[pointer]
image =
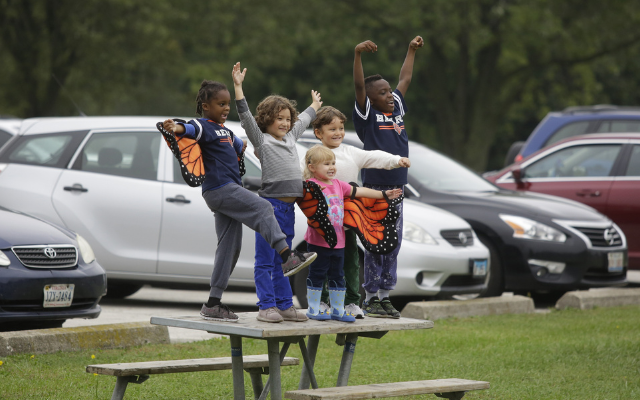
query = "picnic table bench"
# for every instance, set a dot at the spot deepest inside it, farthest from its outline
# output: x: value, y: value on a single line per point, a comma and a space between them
x: 138, y: 372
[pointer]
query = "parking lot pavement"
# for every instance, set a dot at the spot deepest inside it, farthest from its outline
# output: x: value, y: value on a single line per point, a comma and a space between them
x: 154, y: 302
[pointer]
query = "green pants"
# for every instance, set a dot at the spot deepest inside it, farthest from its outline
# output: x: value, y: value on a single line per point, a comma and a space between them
x: 351, y: 270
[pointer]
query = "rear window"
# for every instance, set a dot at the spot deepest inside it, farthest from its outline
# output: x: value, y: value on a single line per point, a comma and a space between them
x: 53, y: 150
x: 619, y: 126
x: 569, y: 130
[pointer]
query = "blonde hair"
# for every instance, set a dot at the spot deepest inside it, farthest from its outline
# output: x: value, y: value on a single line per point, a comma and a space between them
x: 316, y: 155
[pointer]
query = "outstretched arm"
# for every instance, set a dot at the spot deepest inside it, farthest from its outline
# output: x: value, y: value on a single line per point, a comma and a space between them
x: 377, y: 194
x: 171, y: 126
x: 407, y: 67
x: 247, y: 121
x: 358, y: 72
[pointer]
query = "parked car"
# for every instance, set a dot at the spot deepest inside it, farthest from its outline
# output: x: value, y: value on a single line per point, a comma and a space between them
x: 113, y: 180
x: 573, y: 121
x: 599, y: 170
x: 537, y: 242
x: 48, y: 274
x: 9, y: 126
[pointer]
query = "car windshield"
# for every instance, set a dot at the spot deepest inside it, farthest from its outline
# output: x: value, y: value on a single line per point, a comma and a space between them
x: 437, y: 172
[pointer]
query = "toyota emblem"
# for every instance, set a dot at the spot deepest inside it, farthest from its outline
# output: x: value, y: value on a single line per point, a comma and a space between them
x: 463, y: 238
x: 609, y: 236
x: 50, y: 252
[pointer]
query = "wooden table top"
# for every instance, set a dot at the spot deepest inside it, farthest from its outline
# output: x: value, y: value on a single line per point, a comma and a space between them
x: 249, y: 326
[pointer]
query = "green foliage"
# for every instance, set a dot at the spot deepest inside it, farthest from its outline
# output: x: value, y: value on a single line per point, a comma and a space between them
x: 489, y: 70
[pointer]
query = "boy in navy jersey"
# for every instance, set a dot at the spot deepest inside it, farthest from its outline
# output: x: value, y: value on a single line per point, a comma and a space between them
x: 231, y: 203
x: 378, y: 119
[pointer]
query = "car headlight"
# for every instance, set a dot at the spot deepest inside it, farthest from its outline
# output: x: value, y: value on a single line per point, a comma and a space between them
x: 525, y: 228
x: 85, y: 250
x: 4, y: 260
x: 416, y: 234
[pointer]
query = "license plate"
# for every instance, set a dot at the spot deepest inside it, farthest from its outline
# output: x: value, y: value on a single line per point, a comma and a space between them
x: 479, y: 267
x: 59, y: 295
x: 615, y: 261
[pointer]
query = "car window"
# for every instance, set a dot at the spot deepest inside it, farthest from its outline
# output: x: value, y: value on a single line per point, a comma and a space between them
x: 4, y: 137
x: 633, y: 169
x: 130, y: 154
x: 45, y: 150
x: 569, y: 130
x: 619, y: 126
x: 575, y: 161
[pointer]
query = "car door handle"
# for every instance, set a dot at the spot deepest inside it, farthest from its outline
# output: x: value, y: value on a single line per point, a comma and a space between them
x: 595, y: 194
x: 75, y: 188
x: 178, y: 199
x: 589, y: 192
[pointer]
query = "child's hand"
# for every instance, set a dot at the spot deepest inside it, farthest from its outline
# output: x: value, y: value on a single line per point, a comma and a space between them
x: 317, y: 100
x: 404, y: 162
x: 368, y: 46
x: 244, y: 145
x: 169, y: 125
x: 238, y: 74
x: 394, y: 194
x: 416, y: 43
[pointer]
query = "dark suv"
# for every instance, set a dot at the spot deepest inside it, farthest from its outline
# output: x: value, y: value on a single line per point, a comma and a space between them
x: 575, y: 121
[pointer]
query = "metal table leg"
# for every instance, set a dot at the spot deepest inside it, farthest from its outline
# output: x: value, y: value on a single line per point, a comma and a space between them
x: 237, y: 367
x: 274, y: 369
x: 283, y: 354
x: 347, y: 358
x: 312, y: 349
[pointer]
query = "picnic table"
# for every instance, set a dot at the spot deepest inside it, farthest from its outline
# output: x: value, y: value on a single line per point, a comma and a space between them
x: 292, y: 332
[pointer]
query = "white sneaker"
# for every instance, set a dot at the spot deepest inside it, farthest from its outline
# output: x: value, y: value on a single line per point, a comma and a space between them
x: 325, y: 308
x: 354, y: 310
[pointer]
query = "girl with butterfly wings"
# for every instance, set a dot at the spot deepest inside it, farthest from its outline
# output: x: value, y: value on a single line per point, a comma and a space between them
x: 208, y: 153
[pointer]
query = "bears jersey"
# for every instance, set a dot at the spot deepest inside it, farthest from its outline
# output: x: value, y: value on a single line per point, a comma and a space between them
x: 382, y: 131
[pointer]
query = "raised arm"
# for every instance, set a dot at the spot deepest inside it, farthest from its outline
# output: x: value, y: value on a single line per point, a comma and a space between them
x: 238, y: 77
x: 358, y: 72
x: 308, y: 115
x: 406, y: 72
x: 247, y: 121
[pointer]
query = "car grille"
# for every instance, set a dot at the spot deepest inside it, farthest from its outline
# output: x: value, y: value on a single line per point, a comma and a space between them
x: 601, y: 237
x: 54, y: 256
x: 458, y: 237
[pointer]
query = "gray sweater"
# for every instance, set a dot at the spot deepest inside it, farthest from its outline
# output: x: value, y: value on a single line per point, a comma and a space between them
x: 281, y: 175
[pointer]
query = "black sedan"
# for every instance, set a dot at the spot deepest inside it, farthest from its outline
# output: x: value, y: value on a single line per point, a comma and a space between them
x: 538, y: 243
x: 47, y: 274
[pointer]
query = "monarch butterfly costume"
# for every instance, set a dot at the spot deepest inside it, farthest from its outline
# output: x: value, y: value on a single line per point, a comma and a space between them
x: 373, y: 220
x: 189, y: 155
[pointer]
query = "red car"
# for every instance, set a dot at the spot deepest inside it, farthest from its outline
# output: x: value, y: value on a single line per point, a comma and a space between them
x: 599, y: 170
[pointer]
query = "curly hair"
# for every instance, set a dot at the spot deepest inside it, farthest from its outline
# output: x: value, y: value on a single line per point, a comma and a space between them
x: 368, y: 81
x: 269, y: 108
x: 325, y: 115
x: 315, y: 156
x: 208, y: 90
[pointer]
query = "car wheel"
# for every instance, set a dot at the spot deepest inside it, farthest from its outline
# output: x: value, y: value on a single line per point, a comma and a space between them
x: 121, y: 290
x: 495, y: 279
x: 513, y: 152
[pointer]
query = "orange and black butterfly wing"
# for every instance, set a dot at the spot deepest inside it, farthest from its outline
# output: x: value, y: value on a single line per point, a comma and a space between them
x: 188, y: 153
x: 314, y: 207
x: 374, y: 221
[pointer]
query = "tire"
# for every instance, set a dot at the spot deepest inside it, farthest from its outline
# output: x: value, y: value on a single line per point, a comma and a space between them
x: 495, y: 276
x: 513, y: 152
x: 121, y: 290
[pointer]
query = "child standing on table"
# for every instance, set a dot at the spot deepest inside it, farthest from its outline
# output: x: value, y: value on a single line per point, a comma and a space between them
x: 320, y: 167
x: 232, y: 204
x: 378, y: 120
x: 274, y: 133
x: 329, y: 129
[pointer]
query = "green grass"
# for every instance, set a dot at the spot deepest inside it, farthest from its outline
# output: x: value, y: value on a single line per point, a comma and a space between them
x: 561, y: 355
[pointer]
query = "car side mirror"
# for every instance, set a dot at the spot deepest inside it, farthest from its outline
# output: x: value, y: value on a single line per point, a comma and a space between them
x: 517, y: 174
x: 252, y: 183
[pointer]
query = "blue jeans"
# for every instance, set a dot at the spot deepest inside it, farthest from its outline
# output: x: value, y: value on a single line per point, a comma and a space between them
x: 272, y: 287
x: 327, y: 266
x: 380, y: 270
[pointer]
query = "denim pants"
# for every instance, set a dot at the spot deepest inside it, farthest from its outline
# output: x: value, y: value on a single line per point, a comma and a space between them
x: 272, y: 287
x: 327, y: 266
x: 380, y: 269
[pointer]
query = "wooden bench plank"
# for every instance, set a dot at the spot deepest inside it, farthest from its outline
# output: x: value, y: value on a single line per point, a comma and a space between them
x: 394, y: 389
x: 187, y: 365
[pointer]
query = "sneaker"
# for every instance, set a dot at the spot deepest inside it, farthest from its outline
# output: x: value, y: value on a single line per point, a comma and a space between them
x: 297, y: 261
x: 269, y: 315
x: 354, y: 310
x: 389, y: 308
x: 220, y: 312
x: 324, y: 308
x: 291, y: 314
x: 346, y: 317
x: 373, y: 308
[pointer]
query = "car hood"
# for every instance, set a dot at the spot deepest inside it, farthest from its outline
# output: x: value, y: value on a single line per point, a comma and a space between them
x: 431, y: 218
x: 533, y: 204
x: 18, y: 229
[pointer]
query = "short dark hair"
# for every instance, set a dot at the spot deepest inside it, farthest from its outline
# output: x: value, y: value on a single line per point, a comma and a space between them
x: 208, y: 90
x: 368, y: 81
x: 269, y: 108
x: 325, y: 115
